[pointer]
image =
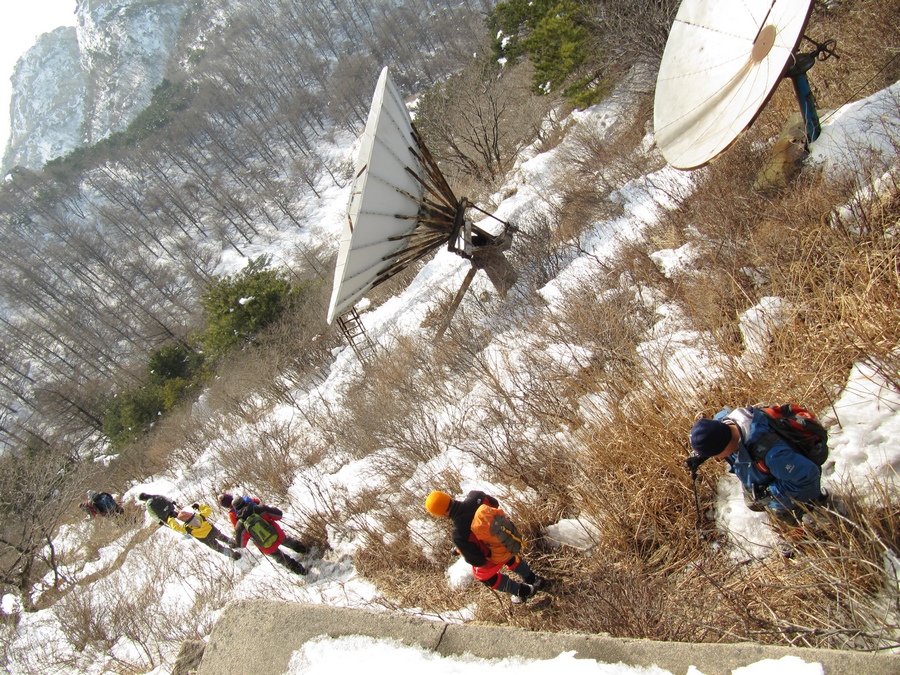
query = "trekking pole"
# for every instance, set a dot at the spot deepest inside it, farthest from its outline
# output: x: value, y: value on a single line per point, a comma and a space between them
x: 696, y: 499
x: 693, y: 463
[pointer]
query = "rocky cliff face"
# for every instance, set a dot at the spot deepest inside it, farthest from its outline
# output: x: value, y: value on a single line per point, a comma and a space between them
x: 78, y: 85
x: 47, y: 109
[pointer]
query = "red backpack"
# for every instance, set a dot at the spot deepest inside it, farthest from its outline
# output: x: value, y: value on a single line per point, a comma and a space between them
x: 799, y: 427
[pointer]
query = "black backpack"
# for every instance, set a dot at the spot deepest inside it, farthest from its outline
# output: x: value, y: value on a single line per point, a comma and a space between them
x: 161, y: 508
x: 799, y: 428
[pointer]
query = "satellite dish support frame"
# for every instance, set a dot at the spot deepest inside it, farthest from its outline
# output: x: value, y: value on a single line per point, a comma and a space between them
x: 801, y: 63
x: 354, y: 331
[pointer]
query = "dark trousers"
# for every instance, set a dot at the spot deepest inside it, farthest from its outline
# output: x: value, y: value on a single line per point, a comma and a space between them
x: 214, y: 537
x: 504, y: 584
x: 286, y: 560
x: 294, y: 544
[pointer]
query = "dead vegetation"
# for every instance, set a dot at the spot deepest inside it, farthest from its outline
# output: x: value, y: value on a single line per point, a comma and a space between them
x: 580, y: 422
x: 621, y: 420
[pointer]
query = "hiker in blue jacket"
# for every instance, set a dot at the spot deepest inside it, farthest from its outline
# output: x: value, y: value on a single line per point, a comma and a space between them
x: 101, y: 504
x: 783, y: 482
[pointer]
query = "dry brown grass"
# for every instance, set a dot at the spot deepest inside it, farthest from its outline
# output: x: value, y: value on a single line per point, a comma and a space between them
x: 653, y: 573
x: 867, y: 33
x: 393, y: 559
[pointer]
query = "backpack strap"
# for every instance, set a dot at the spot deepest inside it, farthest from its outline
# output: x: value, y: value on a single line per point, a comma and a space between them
x: 759, y: 449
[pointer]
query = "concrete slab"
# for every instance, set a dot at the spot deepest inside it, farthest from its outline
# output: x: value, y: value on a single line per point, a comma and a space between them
x: 287, y: 626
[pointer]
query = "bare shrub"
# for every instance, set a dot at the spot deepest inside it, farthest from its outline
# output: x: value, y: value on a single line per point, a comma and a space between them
x: 628, y: 32
x: 476, y: 122
x: 119, y: 609
x: 264, y: 459
x: 387, y: 408
x: 539, y: 253
x: 106, y: 530
x: 83, y: 623
x: 601, y: 158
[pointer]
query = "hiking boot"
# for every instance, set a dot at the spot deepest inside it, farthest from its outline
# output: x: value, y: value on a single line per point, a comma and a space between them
x: 832, y: 503
x: 787, y: 549
x: 297, y: 547
x: 815, y: 521
x: 525, y: 592
x: 297, y: 568
x: 540, y: 583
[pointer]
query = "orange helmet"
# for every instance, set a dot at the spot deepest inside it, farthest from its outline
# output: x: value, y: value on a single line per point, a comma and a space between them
x: 438, y: 503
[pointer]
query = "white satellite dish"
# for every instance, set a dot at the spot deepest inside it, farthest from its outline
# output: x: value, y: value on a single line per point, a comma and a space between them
x: 384, y: 200
x: 721, y: 64
x: 401, y: 207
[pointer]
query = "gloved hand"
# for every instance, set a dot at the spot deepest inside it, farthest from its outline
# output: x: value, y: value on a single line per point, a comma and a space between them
x: 693, y: 463
x: 761, y: 493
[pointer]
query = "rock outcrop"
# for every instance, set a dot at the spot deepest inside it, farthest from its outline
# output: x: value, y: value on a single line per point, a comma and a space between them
x: 78, y: 85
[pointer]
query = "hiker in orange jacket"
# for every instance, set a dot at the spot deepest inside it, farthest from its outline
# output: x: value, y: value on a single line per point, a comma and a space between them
x: 268, y: 535
x: 488, y: 541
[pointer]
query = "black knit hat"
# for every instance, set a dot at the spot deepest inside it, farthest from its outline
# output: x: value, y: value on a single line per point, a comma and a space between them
x: 225, y: 501
x: 710, y: 437
x: 143, y: 496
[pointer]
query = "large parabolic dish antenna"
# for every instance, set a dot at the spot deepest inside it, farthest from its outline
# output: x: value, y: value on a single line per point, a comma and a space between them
x: 384, y: 200
x: 722, y: 62
x: 401, y: 207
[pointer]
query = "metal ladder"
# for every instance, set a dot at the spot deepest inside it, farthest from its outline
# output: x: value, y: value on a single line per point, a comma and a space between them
x: 353, y: 329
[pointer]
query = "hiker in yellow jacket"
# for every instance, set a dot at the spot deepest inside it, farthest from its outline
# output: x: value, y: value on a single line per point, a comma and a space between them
x: 195, y: 523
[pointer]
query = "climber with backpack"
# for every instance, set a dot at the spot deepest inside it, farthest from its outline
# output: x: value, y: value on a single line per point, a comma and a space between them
x: 159, y: 507
x: 195, y: 523
x: 775, y: 452
x: 101, y: 504
x: 488, y: 541
x: 259, y: 522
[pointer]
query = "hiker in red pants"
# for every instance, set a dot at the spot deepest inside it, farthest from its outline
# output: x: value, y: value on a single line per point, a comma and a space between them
x: 256, y: 521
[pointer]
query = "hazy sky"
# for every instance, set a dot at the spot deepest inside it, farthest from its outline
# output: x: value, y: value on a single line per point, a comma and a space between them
x: 19, y: 27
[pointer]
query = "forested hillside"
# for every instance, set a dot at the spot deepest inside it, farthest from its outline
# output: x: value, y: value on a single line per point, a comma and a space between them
x: 107, y: 251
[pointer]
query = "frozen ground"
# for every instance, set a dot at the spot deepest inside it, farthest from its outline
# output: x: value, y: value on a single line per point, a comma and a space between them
x: 862, y: 442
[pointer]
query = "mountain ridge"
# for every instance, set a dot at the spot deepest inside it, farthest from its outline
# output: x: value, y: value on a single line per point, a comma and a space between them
x: 77, y: 85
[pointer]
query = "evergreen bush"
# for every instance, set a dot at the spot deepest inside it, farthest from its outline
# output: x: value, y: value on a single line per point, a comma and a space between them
x: 551, y: 33
x: 130, y: 413
x: 236, y: 307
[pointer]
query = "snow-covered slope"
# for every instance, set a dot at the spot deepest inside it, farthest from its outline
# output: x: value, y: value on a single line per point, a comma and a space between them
x: 867, y: 415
